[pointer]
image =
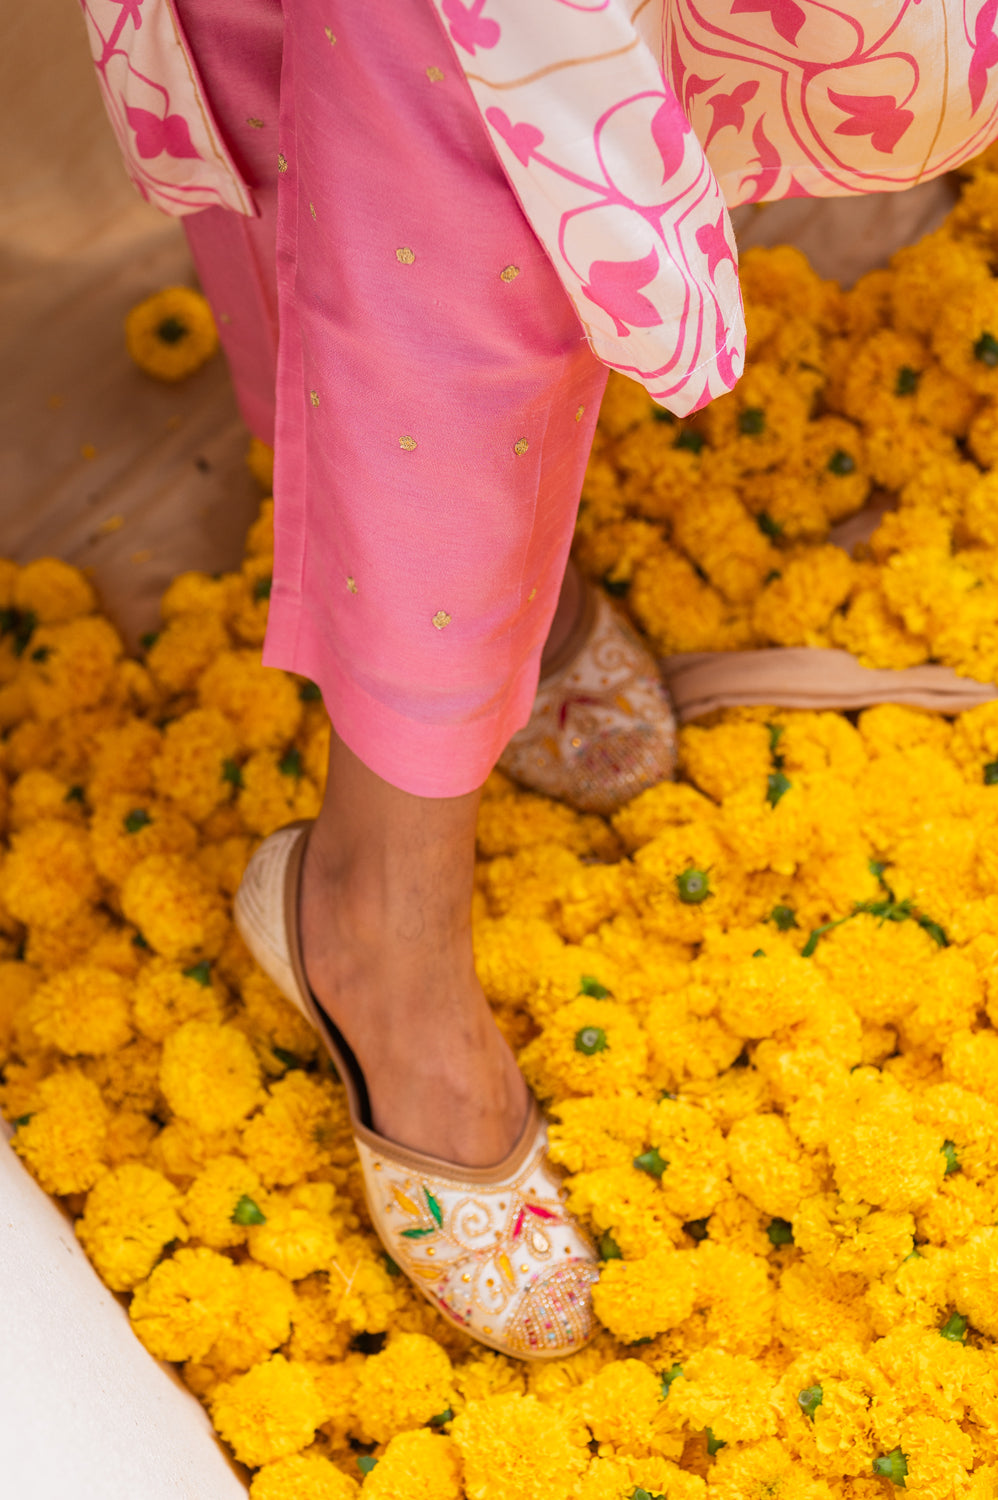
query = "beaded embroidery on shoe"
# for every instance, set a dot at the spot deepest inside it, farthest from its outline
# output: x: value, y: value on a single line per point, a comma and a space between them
x: 602, y: 728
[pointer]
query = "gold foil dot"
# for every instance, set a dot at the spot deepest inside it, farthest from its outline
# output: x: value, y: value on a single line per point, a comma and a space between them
x: 311, y: 209
x: 313, y: 396
x: 568, y: 1249
x: 435, y: 75
x: 405, y: 255
x: 579, y: 413
x: 509, y: 273
x: 576, y: 742
x: 377, y: 1166
x: 329, y: 36
x: 351, y: 585
x: 531, y: 595
x: 441, y: 618
x: 489, y: 1281
x: 224, y: 318
x: 521, y: 445
x: 255, y: 122
x: 465, y: 1276
x: 502, y: 1205
x: 408, y: 443
x: 431, y: 1251
x: 486, y: 1329
x: 282, y: 163
x: 88, y: 451
x: 524, y: 1269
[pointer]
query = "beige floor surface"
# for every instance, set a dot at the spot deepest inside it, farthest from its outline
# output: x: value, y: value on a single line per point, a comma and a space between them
x: 109, y: 469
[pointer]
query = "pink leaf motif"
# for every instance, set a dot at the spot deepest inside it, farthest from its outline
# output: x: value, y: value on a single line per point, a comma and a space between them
x: 875, y: 115
x: 769, y: 160
x: 714, y: 244
x: 729, y: 109
x: 613, y: 286
x: 154, y: 136
x: 538, y: 1212
x: 669, y: 127
x: 522, y: 139
x: 985, y: 53
x: 787, y: 17
x: 468, y: 27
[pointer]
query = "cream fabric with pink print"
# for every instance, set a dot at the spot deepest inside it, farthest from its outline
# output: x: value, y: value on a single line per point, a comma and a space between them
x: 173, y: 151
x: 614, y: 182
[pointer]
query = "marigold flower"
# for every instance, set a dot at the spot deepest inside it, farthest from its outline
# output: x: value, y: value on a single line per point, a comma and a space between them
x: 269, y: 1413
x: 165, y: 996
x: 62, y: 1137
x: 262, y: 704
x: 168, y: 901
x: 131, y: 1214
x: 209, y: 1075
x: 82, y: 1010
x: 172, y: 333
x: 405, y: 1385
x: 48, y: 876
x: 516, y: 1449
x: 181, y: 1309
x: 309, y: 1476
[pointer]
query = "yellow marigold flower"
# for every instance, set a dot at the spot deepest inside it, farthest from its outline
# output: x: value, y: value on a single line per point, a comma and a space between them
x: 915, y: 1294
x: 263, y: 704
x: 973, y: 1283
x: 165, y: 996
x: 670, y: 804
x: 172, y: 333
x: 734, y: 1288
x: 970, y: 1059
x: 83, y: 1010
x: 122, y: 761
x: 52, y: 591
x: 277, y: 1029
x: 758, y: 1470
x: 874, y: 634
x: 17, y: 982
x: 361, y: 1291
x: 275, y: 791
x: 71, y: 666
x: 63, y: 1140
x: 982, y: 435
x: 516, y: 1449
x: 225, y: 1197
x: 769, y: 1166
x: 48, y: 877
x: 300, y: 1234
x: 625, y: 403
x: 196, y: 768
x: 167, y: 900
x: 849, y: 1238
x: 588, y: 1046
x: 729, y: 1393
x: 209, y: 1075
x: 405, y: 1385
x: 260, y: 462
x: 796, y: 608
x: 260, y: 1323
x: 180, y: 1150
x: 725, y: 542
x: 307, y: 1476
x: 268, y: 1413
x: 638, y: 1299
x: 316, y: 1332
x: 184, y: 648
x: 38, y: 795
x: 893, y: 464
x: 195, y: 593
x: 620, y: 1405
x: 782, y: 277
x: 880, y: 1154
x: 124, y: 831
x: 509, y: 825
x: 487, y: 1374
x: 609, y: 1478
x: 679, y: 611
x: 131, y: 1214
x: 180, y: 1310
x: 600, y: 1132
x: 419, y: 1465
x: 965, y: 337
x: 302, y: 1128
x: 817, y: 1308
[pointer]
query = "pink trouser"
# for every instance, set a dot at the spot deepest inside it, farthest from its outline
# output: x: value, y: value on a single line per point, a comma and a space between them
x: 435, y: 396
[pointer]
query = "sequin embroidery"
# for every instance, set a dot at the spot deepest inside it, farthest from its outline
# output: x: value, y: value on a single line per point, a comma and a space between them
x: 408, y: 443
x: 282, y: 163
x: 509, y: 273
x: 435, y: 75
x: 405, y: 255
x: 441, y: 618
x: 521, y: 445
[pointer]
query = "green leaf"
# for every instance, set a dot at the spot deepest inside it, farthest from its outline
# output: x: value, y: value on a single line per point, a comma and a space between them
x: 639, y: 1494
x: 148, y: 639
x: 907, y: 381
x: 139, y: 941
x: 366, y: 1462
x: 714, y: 1445
x: 759, y: 953
x: 955, y: 1329
x: 20, y: 623
x: 289, y: 1059
x: 810, y: 1399
x: 948, y: 1148
x: 434, y: 1207
x: 136, y: 819
x: 75, y: 794
x: 441, y: 1417
x: 392, y: 1266
x: 248, y: 1212
x: 772, y: 576
x: 42, y: 654
x: 752, y: 421
x: 768, y: 526
x: 591, y: 1039
x: 776, y: 733
x: 693, y: 887
x: 934, y: 930
x: 22, y: 1120
x: 416, y: 1234
x: 991, y: 773
x: 290, y: 763
x: 689, y: 439
x: 310, y: 692
x: 652, y: 1162
x: 668, y: 1379
x: 590, y: 985
x: 817, y: 933
x: 777, y: 786
x: 232, y: 772
x: 608, y: 1247
x: 659, y: 414
x: 784, y: 918
x: 619, y: 588
x: 696, y: 1229
x: 262, y: 588
x: 171, y: 331
x: 986, y: 350
x: 893, y: 1466
x: 841, y: 462
x: 200, y: 973
x: 780, y: 1232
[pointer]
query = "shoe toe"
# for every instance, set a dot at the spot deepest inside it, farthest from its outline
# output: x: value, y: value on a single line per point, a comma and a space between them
x: 614, y: 766
x: 555, y: 1315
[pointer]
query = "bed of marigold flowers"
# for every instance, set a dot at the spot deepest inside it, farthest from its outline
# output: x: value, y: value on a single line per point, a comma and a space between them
x: 759, y: 1004
x: 717, y: 528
